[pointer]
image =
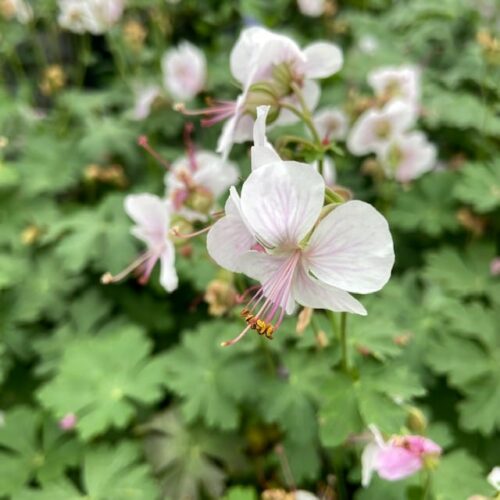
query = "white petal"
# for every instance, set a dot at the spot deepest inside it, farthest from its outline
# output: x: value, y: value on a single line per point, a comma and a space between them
x: 323, y: 60
x: 168, y: 275
x: 331, y: 123
x: 362, y: 138
x: 352, y: 248
x: 369, y: 463
x: 213, y: 173
x: 309, y: 292
x: 281, y: 202
x: 262, y: 152
x: 229, y: 238
x: 151, y: 215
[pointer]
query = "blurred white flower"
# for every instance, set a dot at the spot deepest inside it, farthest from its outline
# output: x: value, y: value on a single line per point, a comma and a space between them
x: 151, y: 216
x: 93, y: 16
x: 144, y: 99
x: 377, y: 127
x: 407, y: 156
x: 396, y: 82
x: 312, y: 8
x: 329, y: 171
x: 494, y: 478
x: 260, y: 55
x: 19, y: 9
x: 368, y: 44
x: 184, y: 71
x: 331, y: 124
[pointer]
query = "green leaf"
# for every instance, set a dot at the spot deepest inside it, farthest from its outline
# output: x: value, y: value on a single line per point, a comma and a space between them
x: 109, y: 473
x: 32, y: 447
x: 458, y: 476
x: 240, y: 493
x: 210, y: 379
x: 464, y: 274
x: 186, y: 459
x: 102, y: 379
x: 427, y: 206
x: 479, y: 186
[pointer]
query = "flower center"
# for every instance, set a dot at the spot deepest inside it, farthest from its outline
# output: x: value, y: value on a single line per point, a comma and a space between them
x: 265, y: 311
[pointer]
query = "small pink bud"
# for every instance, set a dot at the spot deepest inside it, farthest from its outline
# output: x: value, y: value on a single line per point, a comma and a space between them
x: 495, y: 266
x: 68, y: 422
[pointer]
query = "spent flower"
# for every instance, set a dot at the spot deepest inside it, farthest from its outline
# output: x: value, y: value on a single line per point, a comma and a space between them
x: 398, y: 457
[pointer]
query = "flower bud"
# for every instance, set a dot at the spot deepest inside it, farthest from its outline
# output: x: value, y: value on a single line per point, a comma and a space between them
x: 416, y: 420
x: 30, y: 235
x: 54, y: 79
x: 220, y: 297
x: 200, y: 200
x: 134, y: 35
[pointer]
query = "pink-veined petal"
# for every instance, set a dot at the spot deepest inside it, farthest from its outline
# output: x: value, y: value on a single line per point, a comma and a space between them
x: 262, y: 152
x: 323, y: 60
x: 151, y: 215
x: 394, y: 463
x: 281, y: 202
x: 309, y: 292
x: 229, y: 238
x: 352, y: 248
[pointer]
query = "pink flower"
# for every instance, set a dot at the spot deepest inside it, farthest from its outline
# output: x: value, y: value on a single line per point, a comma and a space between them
x: 68, y: 422
x: 151, y: 215
x: 396, y: 82
x: 495, y: 266
x: 185, y: 71
x: 399, y: 457
x: 375, y: 128
x: 312, y: 8
x: 407, y: 156
x: 195, y: 182
x: 276, y: 233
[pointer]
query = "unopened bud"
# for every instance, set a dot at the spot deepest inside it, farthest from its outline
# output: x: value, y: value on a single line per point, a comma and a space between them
x: 200, y: 200
x: 54, y: 79
x: 30, y: 235
x: 322, y: 339
x: 303, y: 320
x: 107, y: 278
x: 220, y: 296
x: 416, y: 420
x: 134, y: 35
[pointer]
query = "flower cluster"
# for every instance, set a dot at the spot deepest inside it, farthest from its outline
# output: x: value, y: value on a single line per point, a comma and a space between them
x: 92, y: 16
x: 386, y: 129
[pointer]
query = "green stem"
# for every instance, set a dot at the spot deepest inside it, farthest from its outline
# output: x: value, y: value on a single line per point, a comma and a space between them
x: 343, y: 342
x: 306, y: 118
x: 426, y: 489
x: 286, y: 139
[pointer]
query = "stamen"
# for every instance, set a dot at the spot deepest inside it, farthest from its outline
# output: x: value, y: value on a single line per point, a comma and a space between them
x: 144, y: 143
x: 174, y: 231
x: 217, y: 111
x: 108, y: 278
x: 227, y: 343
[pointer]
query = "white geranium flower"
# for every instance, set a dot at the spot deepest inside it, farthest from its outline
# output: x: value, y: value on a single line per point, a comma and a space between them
x: 396, y: 82
x: 93, y: 16
x: 407, y: 156
x: 151, y: 215
x: 331, y: 124
x: 277, y: 233
x: 375, y: 128
x: 312, y: 8
x: 184, y: 71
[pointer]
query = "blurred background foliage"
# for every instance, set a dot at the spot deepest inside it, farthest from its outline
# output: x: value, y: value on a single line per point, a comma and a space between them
x: 164, y: 412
